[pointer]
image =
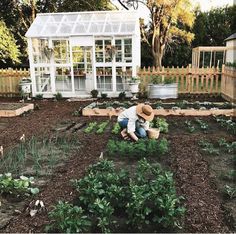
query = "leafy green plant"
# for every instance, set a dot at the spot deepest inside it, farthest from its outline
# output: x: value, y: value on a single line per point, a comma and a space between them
x: 16, y: 187
x: 68, y: 218
x: 38, y: 97
x: 58, y: 96
x: 103, y: 95
x: 229, y: 124
x: 160, y: 123
x: 116, y: 128
x: 229, y: 175
x: 230, y: 191
x: 229, y: 147
x: 122, y: 95
x: 208, y: 147
x: 146, y: 198
x: 139, y: 149
x: 94, y: 93
x: 203, y: 125
x: 101, y: 127
x: 190, y: 126
x: 90, y: 127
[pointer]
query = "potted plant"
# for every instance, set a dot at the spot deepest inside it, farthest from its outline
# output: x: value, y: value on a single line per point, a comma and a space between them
x: 163, y: 88
x: 134, y: 86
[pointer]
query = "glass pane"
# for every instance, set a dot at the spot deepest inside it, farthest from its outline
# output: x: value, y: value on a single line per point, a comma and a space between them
x: 61, y: 51
x: 41, y: 52
x: 63, y: 79
x: 104, y: 78
x: 43, y: 81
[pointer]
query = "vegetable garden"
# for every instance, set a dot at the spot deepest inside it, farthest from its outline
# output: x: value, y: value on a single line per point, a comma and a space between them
x: 72, y: 173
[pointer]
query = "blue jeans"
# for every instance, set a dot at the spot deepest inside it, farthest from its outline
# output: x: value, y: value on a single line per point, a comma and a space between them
x: 140, y: 132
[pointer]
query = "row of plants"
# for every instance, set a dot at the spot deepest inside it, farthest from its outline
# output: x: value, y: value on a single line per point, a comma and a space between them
x: 39, y: 155
x: 111, y: 200
x: 140, y: 149
x: 98, y: 128
x: 191, y: 126
x: 228, y: 124
x: 17, y: 187
x: 95, y: 93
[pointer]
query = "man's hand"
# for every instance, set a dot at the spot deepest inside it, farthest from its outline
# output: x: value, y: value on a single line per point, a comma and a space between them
x: 133, y: 136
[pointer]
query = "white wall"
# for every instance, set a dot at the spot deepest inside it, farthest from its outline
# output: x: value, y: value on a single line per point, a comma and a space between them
x: 231, y: 51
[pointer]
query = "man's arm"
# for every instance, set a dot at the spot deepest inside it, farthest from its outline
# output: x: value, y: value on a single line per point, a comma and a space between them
x: 133, y: 136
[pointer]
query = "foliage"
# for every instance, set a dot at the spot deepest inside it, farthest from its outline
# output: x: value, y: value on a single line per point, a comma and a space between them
x: 94, y: 93
x: 58, y: 96
x: 166, y: 18
x: 8, y: 48
x: 16, y: 187
x: 116, y: 128
x: 101, y: 127
x: 229, y: 147
x: 68, y: 218
x: 90, y: 127
x: 203, y: 125
x: 229, y: 124
x: 38, y: 97
x: 122, y: 95
x: 134, y: 79
x: 160, y: 123
x: 148, y: 198
x: 230, y: 191
x: 208, y: 147
x: 166, y: 80
x: 139, y: 149
x: 231, y: 65
x: 190, y: 126
x: 103, y: 95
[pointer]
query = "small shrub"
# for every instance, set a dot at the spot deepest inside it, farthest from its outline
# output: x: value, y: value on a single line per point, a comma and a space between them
x: 103, y: 95
x: 116, y: 129
x: 122, y: 95
x: 38, y: 97
x: 101, y: 127
x: 58, y: 96
x: 94, y: 93
x: 68, y: 218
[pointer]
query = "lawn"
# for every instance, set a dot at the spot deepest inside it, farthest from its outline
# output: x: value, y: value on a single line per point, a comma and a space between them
x: 86, y: 179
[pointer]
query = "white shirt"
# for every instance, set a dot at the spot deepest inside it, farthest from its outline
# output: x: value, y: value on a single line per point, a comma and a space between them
x: 132, y: 116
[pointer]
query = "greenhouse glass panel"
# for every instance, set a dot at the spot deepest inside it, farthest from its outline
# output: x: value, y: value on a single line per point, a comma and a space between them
x: 41, y: 52
x: 42, y: 77
x: 104, y: 78
x: 66, y: 28
x: 80, y: 28
x: 51, y: 29
x: 96, y: 28
x: 63, y: 79
x: 61, y: 51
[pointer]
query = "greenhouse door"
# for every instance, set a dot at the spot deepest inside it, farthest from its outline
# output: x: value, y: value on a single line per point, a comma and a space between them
x: 82, y: 66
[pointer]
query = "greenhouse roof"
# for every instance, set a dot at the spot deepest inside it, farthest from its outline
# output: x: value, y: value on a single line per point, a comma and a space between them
x: 84, y: 23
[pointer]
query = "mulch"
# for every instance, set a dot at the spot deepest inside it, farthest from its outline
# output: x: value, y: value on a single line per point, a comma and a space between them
x: 191, y: 171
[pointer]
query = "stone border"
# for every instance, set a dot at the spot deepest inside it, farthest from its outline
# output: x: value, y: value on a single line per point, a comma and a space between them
x: 19, y: 111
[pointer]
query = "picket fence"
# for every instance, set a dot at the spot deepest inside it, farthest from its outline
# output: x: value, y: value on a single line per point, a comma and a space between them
x: 190, y: 80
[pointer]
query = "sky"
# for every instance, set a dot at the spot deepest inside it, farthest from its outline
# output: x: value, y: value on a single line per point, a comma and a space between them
x: 205, y: 5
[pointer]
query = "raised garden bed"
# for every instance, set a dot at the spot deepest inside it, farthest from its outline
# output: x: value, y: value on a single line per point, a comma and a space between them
x: 14, y: 109
x: 183, y: 108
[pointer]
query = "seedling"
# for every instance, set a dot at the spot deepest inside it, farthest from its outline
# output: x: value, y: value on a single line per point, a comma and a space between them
x: 101, y: 127
x: 90, y: 127
x: 190, y: 127
x: 116, y: 129
x: 208, y: 147
x: 230, y: 191
x: 203, y: 125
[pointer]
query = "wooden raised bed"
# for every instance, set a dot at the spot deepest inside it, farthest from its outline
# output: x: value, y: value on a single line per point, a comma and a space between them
x: 163, y: 112
x: 14, y: 109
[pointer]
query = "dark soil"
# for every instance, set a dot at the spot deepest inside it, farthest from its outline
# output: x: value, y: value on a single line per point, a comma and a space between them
x: 194, y: 178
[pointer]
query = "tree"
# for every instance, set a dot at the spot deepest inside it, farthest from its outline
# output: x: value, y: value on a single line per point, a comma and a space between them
x: 166, y: 17
x: 8, y: 47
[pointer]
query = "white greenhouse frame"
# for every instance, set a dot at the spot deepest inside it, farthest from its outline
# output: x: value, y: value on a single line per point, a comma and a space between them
x: 76, y: 52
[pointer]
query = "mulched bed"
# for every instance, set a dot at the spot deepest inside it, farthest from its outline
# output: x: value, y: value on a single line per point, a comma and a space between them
x: 191, y: 170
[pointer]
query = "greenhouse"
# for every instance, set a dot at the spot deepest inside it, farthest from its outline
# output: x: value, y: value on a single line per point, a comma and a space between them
x: 74, y: 53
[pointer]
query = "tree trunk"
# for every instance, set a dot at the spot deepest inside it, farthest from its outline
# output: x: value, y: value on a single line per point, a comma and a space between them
x: 157, y: 53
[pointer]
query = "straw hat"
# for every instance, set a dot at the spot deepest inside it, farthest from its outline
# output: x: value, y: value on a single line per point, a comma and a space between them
x: 145, y: 111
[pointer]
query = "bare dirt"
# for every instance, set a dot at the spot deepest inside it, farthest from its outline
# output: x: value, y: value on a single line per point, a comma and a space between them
x: 192, y: 171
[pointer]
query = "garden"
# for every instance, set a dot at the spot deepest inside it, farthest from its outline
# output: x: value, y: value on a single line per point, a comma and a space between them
x: 64, y: 172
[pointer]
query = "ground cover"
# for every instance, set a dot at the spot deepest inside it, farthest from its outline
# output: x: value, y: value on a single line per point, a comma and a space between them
x: 199, y: 175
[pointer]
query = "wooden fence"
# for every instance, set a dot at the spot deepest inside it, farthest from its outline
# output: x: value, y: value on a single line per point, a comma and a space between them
x: 190, y: 80
x: 228, y: 83
x: 9, y: 81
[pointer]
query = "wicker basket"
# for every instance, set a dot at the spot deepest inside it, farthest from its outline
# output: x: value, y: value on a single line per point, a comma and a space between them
x: 153, y: 133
